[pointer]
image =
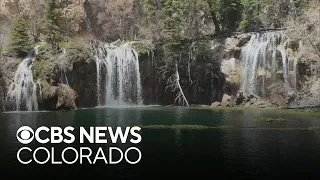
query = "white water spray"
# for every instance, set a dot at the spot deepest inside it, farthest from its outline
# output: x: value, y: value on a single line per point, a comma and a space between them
x: 123, y: 84
x: 261, y: 58
x: 23, y: 91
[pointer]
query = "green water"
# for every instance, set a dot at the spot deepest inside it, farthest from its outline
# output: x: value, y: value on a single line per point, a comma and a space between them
x: 182, y: 141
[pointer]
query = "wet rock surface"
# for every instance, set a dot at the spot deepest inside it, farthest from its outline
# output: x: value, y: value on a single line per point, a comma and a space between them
x: 2, y: 92
x: 67, y: 80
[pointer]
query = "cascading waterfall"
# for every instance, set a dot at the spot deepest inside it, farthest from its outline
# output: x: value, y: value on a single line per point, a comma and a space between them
x: 100, y: 62
x: 264, y: 57
x: 123, y: 84
x: 23, y: 91
x: 63, y: 79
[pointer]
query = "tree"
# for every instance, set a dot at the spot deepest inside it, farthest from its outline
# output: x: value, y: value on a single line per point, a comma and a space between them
x: 113, y: 18
x: 31, y: 10
x: 118, y: 17
x: 34, y: 16
x: 231, y: 11
x: 250, y: 17
x: 214, y: 16
x: 149, y: 20
x: 173, y: 20
x: 225, y: 14
x: 174, y: 11
x: 20, y: 42
x: 54, y: 29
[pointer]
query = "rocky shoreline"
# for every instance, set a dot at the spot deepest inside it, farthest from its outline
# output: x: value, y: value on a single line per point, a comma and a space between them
x: 313, y: 110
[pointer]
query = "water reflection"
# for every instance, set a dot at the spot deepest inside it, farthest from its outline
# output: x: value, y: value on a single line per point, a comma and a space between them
x: 250, y: 149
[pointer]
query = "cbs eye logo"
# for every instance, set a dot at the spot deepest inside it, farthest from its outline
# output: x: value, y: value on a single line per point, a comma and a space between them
x: 25, y: 135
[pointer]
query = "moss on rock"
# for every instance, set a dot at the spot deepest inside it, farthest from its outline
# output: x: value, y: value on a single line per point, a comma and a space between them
x: 143, y: 47
x: 48, y: 65
x: 44, y: 65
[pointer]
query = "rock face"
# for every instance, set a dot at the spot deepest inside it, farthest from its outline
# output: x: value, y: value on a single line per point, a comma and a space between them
x: 212, y: 76
x: 79, y: 70
x: 8, y: 66
x: 68, y: 79
x: 2, y: 92
x: 203, y: 85
x: 60, y: 97
x: 308, y: 84
x: 218, y: 79
x: 65, y: 80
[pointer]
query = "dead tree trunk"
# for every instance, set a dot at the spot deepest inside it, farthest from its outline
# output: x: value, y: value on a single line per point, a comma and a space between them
x: 174, y: 84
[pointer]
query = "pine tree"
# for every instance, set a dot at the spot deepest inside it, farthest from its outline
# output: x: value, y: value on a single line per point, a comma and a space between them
x: 54, y: 24
x: 230, y: 13
x: 20, y: 43
x: 250, y: 16
x: 173, y: 10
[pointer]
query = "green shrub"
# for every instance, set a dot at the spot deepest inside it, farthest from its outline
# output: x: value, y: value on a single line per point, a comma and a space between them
x: 20, y: 43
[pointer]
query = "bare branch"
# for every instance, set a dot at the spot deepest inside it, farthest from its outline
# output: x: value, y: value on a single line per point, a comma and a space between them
x: 174, y: 85
x: 314, y: 47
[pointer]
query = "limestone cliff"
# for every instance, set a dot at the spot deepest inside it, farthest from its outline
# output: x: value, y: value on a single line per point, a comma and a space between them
x: 67, y: 79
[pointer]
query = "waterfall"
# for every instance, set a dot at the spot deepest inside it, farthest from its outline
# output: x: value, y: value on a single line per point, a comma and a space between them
x: 100, y: 56
x: 23, y: 91
x: 122, y: 75
x: 263, y: 58
x: 63, y: 79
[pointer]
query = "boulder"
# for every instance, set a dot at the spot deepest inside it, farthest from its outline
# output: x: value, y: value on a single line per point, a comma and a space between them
x: 253, y: 100
x: 61, y: 97
x: 237, y: 41
x: 215, y: 104
x: 262, y: 104
x: 291, y: 96
x: 240, y: 98
x: 67, y: 98
x: 243, y: 39
x: 226, y: 100
x: 278, y: 100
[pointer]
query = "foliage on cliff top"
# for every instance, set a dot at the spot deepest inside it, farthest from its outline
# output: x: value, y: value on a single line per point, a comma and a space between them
x: 143, y: 47
x: 20, y: 42
x: 49, y: 61
x: 77, y: 51
x: 44, y: 63
x: 54, y: 24
x: 149, y: 20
